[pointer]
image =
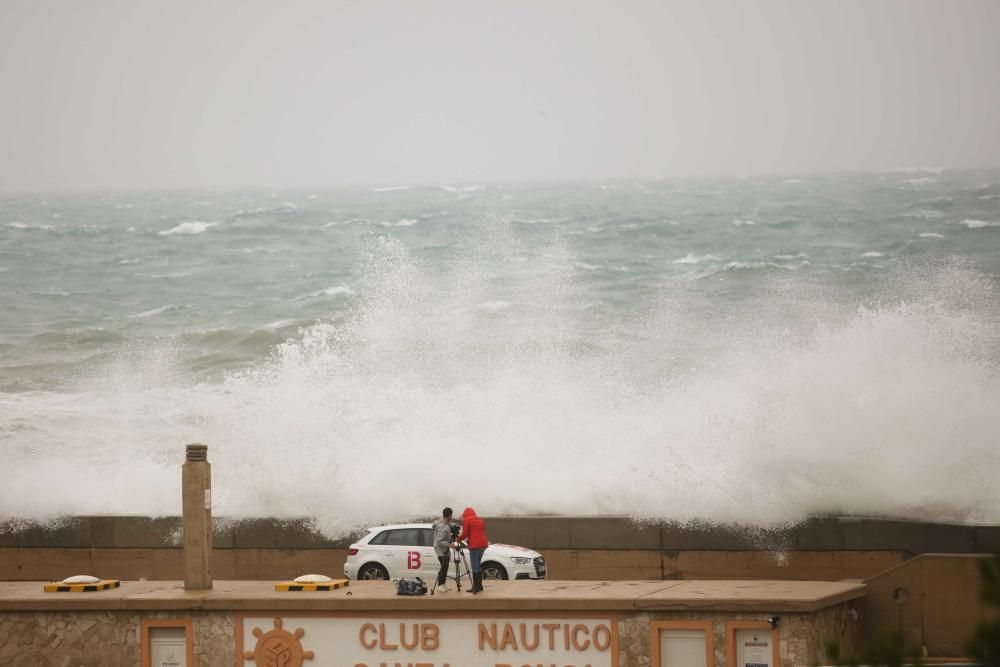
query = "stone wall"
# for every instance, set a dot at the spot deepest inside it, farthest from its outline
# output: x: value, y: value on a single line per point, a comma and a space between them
x: 588, y: 548
x: 60, y: 639
x: 821, y: 534
x: 103, y: 638
x: 803, y: 636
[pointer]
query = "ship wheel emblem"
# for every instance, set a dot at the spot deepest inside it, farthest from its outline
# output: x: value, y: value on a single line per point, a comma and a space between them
x: 278, y: 647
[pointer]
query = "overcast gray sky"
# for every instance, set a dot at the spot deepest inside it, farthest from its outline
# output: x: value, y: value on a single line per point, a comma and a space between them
x: 142, y: 94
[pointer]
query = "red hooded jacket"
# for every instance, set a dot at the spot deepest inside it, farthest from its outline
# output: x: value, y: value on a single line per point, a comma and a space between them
x: 474, y: 529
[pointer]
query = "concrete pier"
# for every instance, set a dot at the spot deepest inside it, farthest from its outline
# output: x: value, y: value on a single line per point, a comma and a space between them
x: 196, y: 482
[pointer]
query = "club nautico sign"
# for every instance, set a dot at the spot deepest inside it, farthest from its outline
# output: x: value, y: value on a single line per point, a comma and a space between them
x: 451, y: 640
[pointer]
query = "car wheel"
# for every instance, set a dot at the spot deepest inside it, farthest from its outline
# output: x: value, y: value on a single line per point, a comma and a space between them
x: 494, y: 571
x: 372, y: 572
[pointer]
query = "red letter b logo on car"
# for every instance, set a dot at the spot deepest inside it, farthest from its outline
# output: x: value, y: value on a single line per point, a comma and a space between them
x: 413, y: 560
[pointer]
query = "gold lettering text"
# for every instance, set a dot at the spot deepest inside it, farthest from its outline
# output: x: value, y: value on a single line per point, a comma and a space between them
x: 602, y: 637
x: 577, y: 644
x: 488, y: 637
x: 525, y: 644
x: 551, y: 627
x: 382, y: 643
x: 367, y: 627
x: 410, y: 645
x: 509, y: 640
x: 429, y: 637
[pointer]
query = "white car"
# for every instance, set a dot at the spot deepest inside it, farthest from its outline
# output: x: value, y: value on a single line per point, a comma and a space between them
x: 407, y: 550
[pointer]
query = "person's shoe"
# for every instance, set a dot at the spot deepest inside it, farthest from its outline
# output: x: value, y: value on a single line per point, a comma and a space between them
x: 443, y: 588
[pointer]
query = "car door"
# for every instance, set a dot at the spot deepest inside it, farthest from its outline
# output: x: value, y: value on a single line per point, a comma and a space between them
x: 428, y: 557
x: 374, y: 550
x: 402, y: 553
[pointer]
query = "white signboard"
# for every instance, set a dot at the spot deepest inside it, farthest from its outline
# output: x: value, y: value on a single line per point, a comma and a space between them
x: 168, y: 647
x: 426, y: 641
x: 753, y: 648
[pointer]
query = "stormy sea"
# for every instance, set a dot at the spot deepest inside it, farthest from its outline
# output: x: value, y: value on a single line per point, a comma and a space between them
x: 753, y: 350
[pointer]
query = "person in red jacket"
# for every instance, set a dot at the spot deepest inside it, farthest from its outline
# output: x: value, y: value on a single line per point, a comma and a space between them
x: 474, y: 529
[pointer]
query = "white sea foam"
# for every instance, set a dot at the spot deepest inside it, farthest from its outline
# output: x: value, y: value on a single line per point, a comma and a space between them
x: 337, y: 290
x: 798, y: 255
x: 588, y: 267
x: 977, y: 224
x: 392, y: 188
x: 25, y: 225
x: 539, y: 221
x: 466, y: 188
x: 153, y: 312
x: 873, y: 254
x: 277, y: 324
x: 740, y: 223
x: 792, y: 181
x: 931, y: 235
x: 348, y: 221
x: 924, y: 180
x: 403, y: 222
x: 192, y: 227
x: 691, y: 258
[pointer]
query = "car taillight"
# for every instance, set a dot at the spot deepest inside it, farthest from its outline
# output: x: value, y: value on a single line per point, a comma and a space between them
x: 353, y: 551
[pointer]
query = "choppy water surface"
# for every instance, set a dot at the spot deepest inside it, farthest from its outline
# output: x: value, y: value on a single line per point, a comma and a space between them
x: 750, y: 350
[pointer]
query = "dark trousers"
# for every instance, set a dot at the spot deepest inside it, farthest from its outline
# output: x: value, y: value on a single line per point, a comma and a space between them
x: 443, y: 573
x: 477, y: 557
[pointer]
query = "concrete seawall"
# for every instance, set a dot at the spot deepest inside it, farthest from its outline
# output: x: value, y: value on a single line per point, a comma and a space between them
x: 824, y: 548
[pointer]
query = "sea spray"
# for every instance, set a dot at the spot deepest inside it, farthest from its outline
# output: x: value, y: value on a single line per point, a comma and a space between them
x: 684, y: 406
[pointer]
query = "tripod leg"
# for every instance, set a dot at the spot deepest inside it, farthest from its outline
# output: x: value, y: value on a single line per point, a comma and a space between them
x: 468, y: 570
x: 458, y: 573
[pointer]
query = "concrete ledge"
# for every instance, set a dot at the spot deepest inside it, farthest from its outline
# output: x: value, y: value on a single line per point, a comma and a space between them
x: 570, y: 564
x: 770, y: 596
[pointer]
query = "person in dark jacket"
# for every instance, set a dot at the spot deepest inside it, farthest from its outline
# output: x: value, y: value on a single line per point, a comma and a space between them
x: 474, y: 530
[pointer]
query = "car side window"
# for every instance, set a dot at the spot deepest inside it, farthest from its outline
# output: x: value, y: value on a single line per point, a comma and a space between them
x: 403, y: 537
x: 380, y: 538
x: 428, y: 535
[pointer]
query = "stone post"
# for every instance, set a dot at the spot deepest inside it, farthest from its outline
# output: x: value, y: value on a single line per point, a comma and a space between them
x: 196, y: 483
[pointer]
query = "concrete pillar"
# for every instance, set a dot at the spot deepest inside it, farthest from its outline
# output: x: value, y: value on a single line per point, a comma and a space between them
x: 196, y: 482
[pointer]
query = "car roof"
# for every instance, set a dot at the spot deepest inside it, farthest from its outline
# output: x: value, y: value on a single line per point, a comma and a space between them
x: 400, y: 525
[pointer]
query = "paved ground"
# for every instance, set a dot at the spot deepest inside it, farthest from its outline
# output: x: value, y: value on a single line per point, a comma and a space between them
x: 777, y: 596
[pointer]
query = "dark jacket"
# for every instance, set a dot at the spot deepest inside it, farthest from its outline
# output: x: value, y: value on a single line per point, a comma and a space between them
x: 474, y: 529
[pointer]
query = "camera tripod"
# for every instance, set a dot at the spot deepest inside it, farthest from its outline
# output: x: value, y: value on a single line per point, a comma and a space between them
x: 459, y: 560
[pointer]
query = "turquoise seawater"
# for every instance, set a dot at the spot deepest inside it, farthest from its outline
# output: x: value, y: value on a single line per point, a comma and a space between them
x: 752, y: 349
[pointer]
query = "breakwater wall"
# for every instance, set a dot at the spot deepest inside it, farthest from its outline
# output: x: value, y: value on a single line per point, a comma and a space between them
x: 599, y: 548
